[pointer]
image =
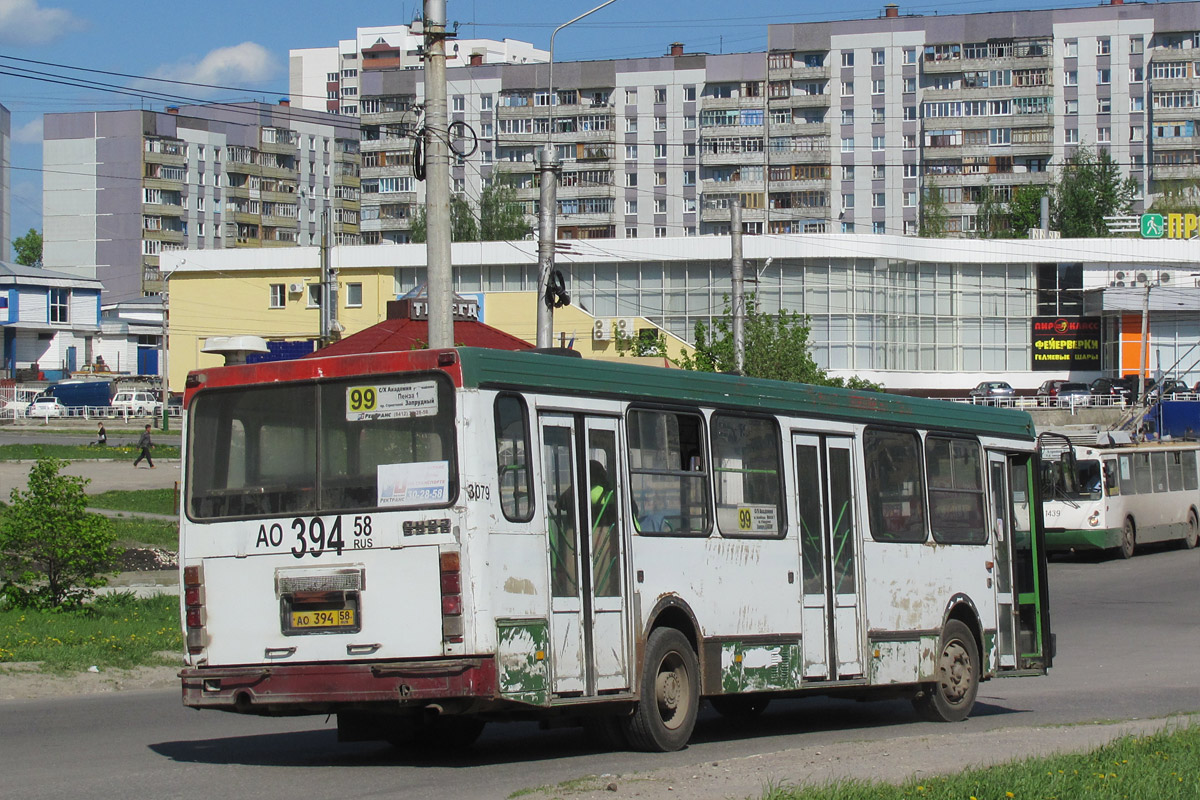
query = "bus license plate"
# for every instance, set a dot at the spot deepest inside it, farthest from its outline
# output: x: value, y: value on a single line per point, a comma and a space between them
x: 337, y: 618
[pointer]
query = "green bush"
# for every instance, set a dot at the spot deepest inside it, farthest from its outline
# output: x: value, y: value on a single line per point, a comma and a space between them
x: 53, y: 553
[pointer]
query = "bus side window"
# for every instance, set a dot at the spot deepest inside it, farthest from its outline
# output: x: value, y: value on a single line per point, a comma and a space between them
x: 955, y: 491
x: 746, y: 470
x: 512, y: 458
x: 1191, y: 479
x: 668, y: 474
x: 1111, y: 487
x: 1125, y: 475
x: 895, y: 486
x: 1174, y: 470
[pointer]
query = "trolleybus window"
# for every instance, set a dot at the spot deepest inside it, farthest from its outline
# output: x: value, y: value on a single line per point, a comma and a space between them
x: 1141, y: 473
x: 955, y: 491
x: 1190, y: 477
x: 512, y: 459
x: 746, y: 469
x: 381, y: 442
x: 808, y: 496
x: 894, y: 488
x: 668, y: 474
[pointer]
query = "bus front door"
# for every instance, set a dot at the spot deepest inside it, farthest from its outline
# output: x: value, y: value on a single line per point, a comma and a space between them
x: 1018, y: 585
x: 830, y: 619
x: 1002, y: 543
x: 589, y: 627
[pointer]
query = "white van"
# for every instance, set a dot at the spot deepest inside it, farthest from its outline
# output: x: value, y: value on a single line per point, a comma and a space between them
x: 136, y: 403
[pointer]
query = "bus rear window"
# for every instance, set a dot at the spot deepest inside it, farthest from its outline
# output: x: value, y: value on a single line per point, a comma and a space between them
x: 275, y: 450
x: 894, y: 486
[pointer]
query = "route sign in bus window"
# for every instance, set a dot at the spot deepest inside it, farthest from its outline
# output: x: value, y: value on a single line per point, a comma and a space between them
x: 747, y: 476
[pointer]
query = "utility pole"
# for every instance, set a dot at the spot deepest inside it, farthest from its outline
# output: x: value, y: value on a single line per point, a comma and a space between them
x: 439, y: 277
x: 737, y: 268
x: 548, y: 202
x: 1145, y: 356
x: 323, y: 283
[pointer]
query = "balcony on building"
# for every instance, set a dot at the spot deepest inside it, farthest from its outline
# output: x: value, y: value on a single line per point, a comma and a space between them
x: 157, y: 150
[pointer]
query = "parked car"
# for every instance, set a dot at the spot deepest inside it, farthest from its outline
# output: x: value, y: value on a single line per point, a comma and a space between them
x: 46, y: 407
x: 991, y: 390
x: 1120, y: 390
x: 1073, y: 394
x: 138, y: 403
x: 1047, y: 392
x: 1171, y: 386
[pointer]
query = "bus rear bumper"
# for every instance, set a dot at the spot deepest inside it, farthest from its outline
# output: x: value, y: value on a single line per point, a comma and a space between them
x: 277, y: 690
x: 1076, y: 539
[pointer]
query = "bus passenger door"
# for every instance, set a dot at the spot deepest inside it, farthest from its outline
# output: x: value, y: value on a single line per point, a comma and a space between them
x: 584, y: 525
x: 830, y: 619
x: 1002, y: 544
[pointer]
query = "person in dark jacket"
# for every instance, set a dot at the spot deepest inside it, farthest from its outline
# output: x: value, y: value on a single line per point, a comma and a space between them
x: 145, y: 443
x: 101, y: 435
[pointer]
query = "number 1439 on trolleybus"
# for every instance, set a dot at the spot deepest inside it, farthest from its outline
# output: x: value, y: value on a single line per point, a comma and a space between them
x: 420, y: 542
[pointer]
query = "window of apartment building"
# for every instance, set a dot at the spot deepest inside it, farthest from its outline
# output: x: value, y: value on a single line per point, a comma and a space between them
x: 1137, y: 44
x: 458, y: 103
x: 689, y: 205
x: 631, y: 179
x: 847, y: 144
x: 1137, y: 104
x: 1071, y: 136
x: 1072, y: 48
x: 486, y: 155
x: 660, y: 151
x: 877, y: 86
x: 879, y: 227
x: 314, y: 295
x: 349, y: 91
x: 199, y: 229
x: 1071, y: 107
x: 660, y: 123
x: 877, y: 114
x: 848, y: 89
x: 631, y: 233
x: 631, y: 152
x: 460, y: 185
x: 878, y: 171
x: 631, y: 206
x: 1103, y: 46
x: 353, y: 295
x: 877, y: 143
x: 631, y: 96
x: 631, y: 124
x: 847, y: 58
x: 278, y: 295
x: 910, y: 199
x: 1103, y: 76
x: 660, y: 178
x: 689, y: 177
x: 877, y: 58
x: 1139, y: 160
x: 847, y: 202
x: 1071, y: 78
x: 910, y: 55
x: 660, y: 95
x: 910, y: 113
x: 1103, y: 105
x: 689, y: 150
x: 878, y: 200
x: 1136, y: 133
x: 1103, y: 134
x: 848, y: 173
x: 910, y: 170
x: 910, y: 141
x: 331, y: 77
x: 847, y: 116
x: 485, y: 102
x: 689, y: 122
x: 910, y: 85
x: 199, y: 202
x: 60, y: 304
x: 487, y: 130
x: 660, y: 232
x: 660, y: 205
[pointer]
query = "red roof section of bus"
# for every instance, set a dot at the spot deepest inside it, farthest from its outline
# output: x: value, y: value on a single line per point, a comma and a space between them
x: 398, y: 335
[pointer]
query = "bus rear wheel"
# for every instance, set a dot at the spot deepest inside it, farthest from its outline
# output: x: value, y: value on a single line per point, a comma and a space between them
x: 952, y: 697
x: 1191, y: 536
x: 670, y: 694
x: 1128, y: 538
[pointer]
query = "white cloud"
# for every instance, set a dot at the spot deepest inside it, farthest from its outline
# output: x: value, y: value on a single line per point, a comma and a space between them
x: 24, y: 22
x: 240, y: 65
x: 29, y: 133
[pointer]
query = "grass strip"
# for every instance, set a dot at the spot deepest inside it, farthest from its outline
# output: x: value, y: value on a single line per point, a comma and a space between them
x: 1162, y: 766
x: 135, y: 532
x: 116, y: 630
x: 149, y: 501
x: 81, y: 452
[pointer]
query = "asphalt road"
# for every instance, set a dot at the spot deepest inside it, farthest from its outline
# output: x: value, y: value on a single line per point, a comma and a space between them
x: 1128, y: 639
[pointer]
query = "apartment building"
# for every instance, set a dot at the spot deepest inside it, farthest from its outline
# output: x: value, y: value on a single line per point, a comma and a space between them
x: 5, y: 183
x: 839, y: 127
x: 121, y: 187
x: 327, y: 78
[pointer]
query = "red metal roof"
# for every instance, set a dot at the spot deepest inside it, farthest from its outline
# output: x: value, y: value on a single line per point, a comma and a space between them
x: 393, y: 335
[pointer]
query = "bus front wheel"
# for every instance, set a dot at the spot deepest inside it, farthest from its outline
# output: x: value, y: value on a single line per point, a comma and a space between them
x: 669, y: 694
x: 1128, y: 538
x: 951, y: 698
x: 1191, y: 537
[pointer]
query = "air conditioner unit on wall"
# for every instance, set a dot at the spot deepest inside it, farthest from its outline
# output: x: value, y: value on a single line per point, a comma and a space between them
x: 296, y: 288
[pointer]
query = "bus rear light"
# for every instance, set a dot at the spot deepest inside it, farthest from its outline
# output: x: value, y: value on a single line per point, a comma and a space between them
x: 451, y: 583
x: 451, y: 605
x: 192, y: 596
x: 192, y: 576
x: 450, y: 565
x: 193, y: 617
x: 447, y: 359
x: 193, y: 611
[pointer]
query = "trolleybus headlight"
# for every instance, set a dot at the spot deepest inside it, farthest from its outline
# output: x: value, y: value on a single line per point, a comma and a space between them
x: 1094, y: 518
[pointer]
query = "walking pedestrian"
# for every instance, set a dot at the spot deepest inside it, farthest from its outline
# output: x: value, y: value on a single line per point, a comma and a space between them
x: 101, y: 435
x: 145, y: 443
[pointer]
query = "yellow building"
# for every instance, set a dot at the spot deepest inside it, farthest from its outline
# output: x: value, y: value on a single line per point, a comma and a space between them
x: 275, y: 294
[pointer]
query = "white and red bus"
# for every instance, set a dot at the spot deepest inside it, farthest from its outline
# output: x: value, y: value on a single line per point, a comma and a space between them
x: 420, y: 542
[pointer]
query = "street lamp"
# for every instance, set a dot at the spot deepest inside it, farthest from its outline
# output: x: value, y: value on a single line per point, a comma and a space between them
x: 548, y: 200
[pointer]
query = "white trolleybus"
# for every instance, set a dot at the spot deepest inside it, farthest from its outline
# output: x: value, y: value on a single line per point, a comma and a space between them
x: 420, y: 542
x: 1117, y: 497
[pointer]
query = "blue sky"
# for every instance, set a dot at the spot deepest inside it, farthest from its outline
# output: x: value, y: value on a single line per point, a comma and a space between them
x: 245, y: 44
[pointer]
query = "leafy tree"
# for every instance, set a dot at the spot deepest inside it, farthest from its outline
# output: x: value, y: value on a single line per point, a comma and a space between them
x: 53, y: 553
x: 462, y: 223
x: 933, y: 214
x: 1025, y: 210
x: 777, y: 347
x: 991, y: 217
x: 1178, y: 197
x: 29, y: 248
x: 501, y: 218
x: 1090, y: 188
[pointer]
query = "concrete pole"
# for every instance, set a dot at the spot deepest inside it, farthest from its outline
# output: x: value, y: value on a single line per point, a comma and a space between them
x: 548, y: 202
x: 739, y: 286
x: 323, y: 282
x: 1145, y: 349
x: 439, y: 277
x: 166, y: 372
